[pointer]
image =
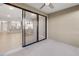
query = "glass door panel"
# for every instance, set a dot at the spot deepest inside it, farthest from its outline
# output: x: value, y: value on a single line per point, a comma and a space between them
x: 30, y: 26
x: 41, y: 27
x: 10, y: 28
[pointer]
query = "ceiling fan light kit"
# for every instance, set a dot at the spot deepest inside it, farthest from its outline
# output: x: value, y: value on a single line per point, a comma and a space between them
x: 50, y: 5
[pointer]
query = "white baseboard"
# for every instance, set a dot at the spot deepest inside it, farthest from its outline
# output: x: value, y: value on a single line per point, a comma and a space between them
x: 12, y: 51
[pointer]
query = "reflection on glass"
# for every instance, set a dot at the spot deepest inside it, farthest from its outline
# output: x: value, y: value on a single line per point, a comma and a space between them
x: 0, y: 26
x: 4, y: 26
x: 15, y: 26
x: 30, y: 24
x: 10, y: 28
x: 41, y: 27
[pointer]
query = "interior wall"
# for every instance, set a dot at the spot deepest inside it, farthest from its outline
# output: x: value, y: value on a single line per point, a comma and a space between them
x: 64, y: 26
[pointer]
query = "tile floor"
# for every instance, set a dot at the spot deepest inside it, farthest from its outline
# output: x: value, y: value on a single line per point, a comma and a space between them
x: 48, y: 48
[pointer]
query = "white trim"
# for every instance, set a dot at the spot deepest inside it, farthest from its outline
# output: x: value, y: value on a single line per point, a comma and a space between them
x: 12, y: 51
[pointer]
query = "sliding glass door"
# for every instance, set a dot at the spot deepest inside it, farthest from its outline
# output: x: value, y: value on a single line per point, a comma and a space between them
x: 30, y: 27
x: 34, y: 28
x: 42, y: 27
x: 20, y: 27
x: 10, y: 28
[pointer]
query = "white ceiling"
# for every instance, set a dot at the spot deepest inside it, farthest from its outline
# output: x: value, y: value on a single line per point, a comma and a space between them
x: 57, y: 6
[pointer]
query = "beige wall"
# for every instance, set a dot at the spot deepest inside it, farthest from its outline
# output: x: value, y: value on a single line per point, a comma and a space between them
x: 64, y: 26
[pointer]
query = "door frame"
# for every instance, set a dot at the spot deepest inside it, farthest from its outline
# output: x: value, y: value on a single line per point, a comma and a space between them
x: 23, y: 36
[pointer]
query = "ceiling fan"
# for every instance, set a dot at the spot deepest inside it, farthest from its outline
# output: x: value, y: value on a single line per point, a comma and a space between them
x: 50, y: 5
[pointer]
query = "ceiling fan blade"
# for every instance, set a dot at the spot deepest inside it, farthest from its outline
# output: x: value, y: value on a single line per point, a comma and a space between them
x: 42, y: 6
x: 51, y: 6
